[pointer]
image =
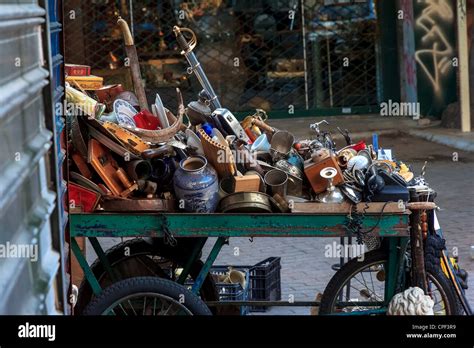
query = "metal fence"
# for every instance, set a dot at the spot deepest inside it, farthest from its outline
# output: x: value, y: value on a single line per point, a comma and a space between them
x: 284, y: 55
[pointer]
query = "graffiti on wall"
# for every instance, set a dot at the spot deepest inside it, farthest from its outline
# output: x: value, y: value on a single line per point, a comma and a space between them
x: 436, y: 52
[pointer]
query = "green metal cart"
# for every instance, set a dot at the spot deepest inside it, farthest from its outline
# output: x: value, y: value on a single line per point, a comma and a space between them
x: 392, y: 225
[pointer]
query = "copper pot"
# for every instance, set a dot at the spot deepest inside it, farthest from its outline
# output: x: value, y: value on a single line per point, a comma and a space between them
x: 107, y: 94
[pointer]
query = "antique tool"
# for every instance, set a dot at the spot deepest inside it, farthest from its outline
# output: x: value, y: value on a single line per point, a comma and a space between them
x: 128, y: 139
x: 106, y: 140
x: 230, y: 124
x: 313, y: 173
x: 81, y: 164
x: 161, y: 112
x: 276, y: 181
x: 137, y: 205
x: 332, y: 193
x: 246, y: 202
x: 131, y: 51
x: 109, y: 171
x: 256, y: 122
x: 77, y: 137
x: 82, y: 199
x: 187, y: 50
x: 78, y: 178
x: 219, y: 156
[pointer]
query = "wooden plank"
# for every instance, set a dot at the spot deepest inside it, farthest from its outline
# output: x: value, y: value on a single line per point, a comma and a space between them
x: 345, y: 208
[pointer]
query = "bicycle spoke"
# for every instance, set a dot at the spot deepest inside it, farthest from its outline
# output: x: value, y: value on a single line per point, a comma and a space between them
x: 131, y: 306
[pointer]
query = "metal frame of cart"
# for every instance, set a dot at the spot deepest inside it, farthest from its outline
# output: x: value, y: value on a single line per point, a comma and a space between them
x: 393, y: 223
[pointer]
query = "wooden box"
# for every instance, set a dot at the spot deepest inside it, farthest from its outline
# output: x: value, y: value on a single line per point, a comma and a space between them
x: 87, y: 83
x: 247, y: 183
x: 77, y: 70
x: 313, y: 170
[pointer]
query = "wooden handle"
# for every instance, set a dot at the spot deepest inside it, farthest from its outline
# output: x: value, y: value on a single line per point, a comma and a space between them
x: 127, y: 35
x: 421, y: 206
x: 263, y: 125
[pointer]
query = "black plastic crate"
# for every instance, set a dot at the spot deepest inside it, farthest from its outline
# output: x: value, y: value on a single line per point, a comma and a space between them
x: 265, y: 282
x: 231, y: 292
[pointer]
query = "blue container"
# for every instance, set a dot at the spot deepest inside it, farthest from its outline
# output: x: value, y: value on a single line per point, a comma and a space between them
x: 196, y: 185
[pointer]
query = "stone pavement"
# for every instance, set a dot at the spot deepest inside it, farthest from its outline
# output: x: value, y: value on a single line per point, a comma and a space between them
x: 305, y: 271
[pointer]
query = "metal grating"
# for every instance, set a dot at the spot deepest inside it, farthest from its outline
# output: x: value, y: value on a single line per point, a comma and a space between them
x: 284, y: 55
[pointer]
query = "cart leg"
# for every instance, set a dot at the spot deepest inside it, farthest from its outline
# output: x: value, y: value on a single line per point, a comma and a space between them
x: 417, y: 254
x: 207, y: 266
x: 103, y: 259
x: 194, y: 256
x: 394, y: 266
x: 96, y: 289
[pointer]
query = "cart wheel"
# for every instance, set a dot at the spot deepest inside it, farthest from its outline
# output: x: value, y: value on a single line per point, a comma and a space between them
x: 146, y: 296
x: 360, y: 286
x: 137, y: 257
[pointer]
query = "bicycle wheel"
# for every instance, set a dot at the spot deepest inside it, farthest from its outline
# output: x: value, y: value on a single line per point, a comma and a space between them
x: 360, y: 286
x: 137, y: 257
x: 141, y: 296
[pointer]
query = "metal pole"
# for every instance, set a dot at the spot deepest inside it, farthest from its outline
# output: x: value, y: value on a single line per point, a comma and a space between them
x: 463, y: 71
x: 304, y: 56
x: 131, y: 18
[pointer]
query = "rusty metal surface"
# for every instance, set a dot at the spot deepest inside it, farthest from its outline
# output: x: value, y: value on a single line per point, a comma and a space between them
x: 230, y: 225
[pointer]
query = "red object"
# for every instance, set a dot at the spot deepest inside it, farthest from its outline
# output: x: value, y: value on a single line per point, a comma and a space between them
x: 251, y: 135
x: 297, y: 146
x: 146, y: 120
x: 77, y: 70
x: 359, y: 146
x: 81, y: 198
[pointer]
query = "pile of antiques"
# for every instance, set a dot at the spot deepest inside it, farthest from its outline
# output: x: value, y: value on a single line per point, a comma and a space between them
x: 128, y: 156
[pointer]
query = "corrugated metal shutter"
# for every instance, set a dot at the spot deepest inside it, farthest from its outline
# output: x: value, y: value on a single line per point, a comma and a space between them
x: 55, y: 94
x: 26, y: 202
